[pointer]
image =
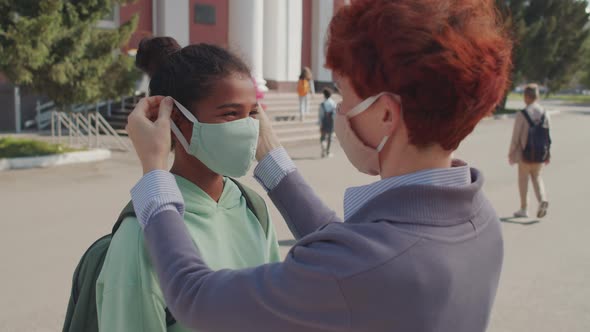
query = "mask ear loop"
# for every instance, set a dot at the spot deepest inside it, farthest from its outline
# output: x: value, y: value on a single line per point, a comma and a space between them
x: 386, y: 138
x: 360, y: 108
x: 177, y: 131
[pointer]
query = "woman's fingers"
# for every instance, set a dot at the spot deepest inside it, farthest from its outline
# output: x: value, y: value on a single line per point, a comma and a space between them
x: 165, y: 109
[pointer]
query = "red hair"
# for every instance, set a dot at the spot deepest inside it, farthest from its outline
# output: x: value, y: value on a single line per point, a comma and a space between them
x: 449, y: 60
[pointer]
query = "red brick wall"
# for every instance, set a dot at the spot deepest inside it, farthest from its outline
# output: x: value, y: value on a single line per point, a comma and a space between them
x: 306, y: 40
x: 144, y: 26
x: 213, y: 34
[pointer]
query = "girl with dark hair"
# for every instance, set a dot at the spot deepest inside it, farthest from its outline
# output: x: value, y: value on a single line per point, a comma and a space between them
x: 214, y: 138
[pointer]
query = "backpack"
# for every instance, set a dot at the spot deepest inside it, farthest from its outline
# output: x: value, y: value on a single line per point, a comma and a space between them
x: 302, y: 87
x: 327, y: 120
x: 538, y: 143
x: 82, y: 314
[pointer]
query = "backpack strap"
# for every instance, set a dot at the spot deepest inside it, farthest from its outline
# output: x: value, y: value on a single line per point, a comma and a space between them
x: 528, y: 117
x: 256, y: 204
x: 170, y: 320
x: 128, y: 211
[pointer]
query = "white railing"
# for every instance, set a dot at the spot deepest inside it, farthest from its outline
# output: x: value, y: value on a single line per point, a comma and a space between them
x: 42, y: 119
x: 88, y: 129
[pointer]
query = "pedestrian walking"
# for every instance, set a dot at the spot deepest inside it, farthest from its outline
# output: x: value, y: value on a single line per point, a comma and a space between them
x: 530, y: 148
x: 305, y: 90
x: 327, y: 113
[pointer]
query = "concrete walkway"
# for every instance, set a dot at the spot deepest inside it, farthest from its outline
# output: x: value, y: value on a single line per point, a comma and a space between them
x: 50, y: 216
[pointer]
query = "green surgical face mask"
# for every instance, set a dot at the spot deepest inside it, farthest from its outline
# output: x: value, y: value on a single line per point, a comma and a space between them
x: 226, y: 148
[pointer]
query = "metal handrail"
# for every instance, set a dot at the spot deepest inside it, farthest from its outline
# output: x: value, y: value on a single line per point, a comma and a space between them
x: 103, y: 124
x: 86, y: 126
x: 43, y: 111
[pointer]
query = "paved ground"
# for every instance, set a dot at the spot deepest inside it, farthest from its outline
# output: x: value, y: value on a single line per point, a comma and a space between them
x: 50, y: 216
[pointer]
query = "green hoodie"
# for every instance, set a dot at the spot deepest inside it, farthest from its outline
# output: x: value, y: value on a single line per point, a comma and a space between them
x: 228, y: 236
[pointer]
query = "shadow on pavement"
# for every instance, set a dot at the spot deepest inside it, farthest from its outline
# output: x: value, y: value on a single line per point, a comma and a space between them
x: 519, y: 221
x: 287, y: 243
x: 306, y: 158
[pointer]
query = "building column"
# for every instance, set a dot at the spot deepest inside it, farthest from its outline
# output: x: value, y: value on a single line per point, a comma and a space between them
x: 172, y: 20
x: 246, y: 35
x: 322, y: 12
x: 282, y: 42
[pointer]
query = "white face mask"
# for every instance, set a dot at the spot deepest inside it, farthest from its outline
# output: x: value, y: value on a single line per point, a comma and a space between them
x: 363, y: 157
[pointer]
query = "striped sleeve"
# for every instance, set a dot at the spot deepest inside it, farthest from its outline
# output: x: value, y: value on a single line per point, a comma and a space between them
x: 273, y: 168
x: 155, y: 192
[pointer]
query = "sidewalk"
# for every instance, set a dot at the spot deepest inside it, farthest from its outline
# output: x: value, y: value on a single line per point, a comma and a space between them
x: 50, y: 216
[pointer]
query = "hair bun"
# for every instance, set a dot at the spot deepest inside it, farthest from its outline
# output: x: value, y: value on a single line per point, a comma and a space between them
x: 153, y: 52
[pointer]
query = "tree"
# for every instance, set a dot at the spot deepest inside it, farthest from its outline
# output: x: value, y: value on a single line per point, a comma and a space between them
x: 584, y: 76
x: 54, y: 48
x: 549, y: 38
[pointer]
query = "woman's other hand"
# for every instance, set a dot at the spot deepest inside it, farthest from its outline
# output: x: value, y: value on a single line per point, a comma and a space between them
x: 267, y: 140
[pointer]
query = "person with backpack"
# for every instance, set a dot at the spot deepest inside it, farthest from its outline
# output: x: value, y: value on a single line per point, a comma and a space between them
x: 530, y: 148
x: 326, y: 121
x: 305, y: 90
x: 115, y: 288
x: 420, y: 249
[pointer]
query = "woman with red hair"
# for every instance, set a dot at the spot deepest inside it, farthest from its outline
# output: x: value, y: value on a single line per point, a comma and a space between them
x: 420, y: 249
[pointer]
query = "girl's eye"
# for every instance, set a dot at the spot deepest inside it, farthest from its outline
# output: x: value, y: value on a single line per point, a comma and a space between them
x: 254, y: 112
x: 230, y: 114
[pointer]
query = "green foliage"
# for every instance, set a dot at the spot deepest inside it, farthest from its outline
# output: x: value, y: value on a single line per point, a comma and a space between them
x: 54, y: 47
x: 18, y: 148
x: 550, y: 35
x: 584, y: 75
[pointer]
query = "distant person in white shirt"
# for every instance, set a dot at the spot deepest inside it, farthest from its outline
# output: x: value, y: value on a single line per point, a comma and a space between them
x: 530, y: 149
x: 326, y: 121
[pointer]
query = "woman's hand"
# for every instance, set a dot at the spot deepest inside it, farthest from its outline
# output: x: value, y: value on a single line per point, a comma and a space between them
x: 267, y: 140
x: 148, y: 127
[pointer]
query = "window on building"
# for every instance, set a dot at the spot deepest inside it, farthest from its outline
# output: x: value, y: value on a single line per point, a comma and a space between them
x: 205, y: 14
x: 111, y: 20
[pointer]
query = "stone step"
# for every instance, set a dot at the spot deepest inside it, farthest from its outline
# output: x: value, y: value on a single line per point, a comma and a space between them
x: 300, y: 140
x: 277, y: 125
x: 117, y: 117
x: 291, y: 108
x: 295, y: 134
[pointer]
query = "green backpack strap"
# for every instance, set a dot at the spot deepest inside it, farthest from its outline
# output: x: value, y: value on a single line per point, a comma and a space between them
x: 128, y: 211
x: 256, y: 204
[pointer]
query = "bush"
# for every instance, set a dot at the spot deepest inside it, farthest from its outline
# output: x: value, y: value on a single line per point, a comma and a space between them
x: 17, y: 148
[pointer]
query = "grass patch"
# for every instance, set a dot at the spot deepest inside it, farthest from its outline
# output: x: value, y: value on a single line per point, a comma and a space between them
x: 507, y: 111
x: 18, y: 148
x: 574, y: 99
x: 515, y: 96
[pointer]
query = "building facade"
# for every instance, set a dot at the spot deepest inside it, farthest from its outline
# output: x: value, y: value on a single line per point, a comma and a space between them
x: 276, y: 37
